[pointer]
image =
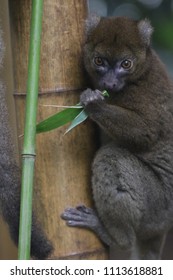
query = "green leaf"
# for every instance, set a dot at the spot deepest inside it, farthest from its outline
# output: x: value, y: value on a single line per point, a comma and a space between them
x: 62, y: 106
x: 58, y: 119
x: 105, y: 93
x: 74, y: 114
x: 78, y: 119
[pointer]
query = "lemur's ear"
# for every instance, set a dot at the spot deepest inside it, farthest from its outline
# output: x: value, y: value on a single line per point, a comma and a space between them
x: 91, y: 22
x: 145, y: 30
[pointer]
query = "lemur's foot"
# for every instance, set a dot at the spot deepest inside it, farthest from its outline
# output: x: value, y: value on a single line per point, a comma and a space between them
x: 85, y: 217
x: 81, y: 216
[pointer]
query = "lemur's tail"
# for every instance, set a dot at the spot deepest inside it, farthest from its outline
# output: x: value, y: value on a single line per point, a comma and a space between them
x: 41, y: 248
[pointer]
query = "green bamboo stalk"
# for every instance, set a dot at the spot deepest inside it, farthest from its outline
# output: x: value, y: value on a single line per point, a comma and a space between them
x: 28, y: 154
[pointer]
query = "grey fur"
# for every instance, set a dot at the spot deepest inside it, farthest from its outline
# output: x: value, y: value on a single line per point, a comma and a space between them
x: 91, y: 22
x: 132, y: 178
x: 10, y: 181
x: 145, y: 30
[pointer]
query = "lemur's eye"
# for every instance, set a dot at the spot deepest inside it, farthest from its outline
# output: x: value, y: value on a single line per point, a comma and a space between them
x: 127, y: 64
x: 98, y: 61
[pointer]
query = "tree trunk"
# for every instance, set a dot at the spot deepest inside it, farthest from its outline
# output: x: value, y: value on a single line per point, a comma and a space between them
x: 63, y: 163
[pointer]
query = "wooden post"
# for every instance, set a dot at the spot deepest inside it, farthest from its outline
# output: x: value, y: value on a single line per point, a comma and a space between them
x: 63, y: 163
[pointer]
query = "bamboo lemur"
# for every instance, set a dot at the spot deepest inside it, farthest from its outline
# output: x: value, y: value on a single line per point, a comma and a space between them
x: 10, y: 181
x: 132, y: 178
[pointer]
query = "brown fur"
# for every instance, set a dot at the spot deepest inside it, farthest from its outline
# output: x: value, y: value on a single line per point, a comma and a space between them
x: 132, y: 175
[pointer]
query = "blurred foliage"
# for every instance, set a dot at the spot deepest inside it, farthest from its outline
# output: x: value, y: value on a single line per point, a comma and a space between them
x: 164, y: 33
